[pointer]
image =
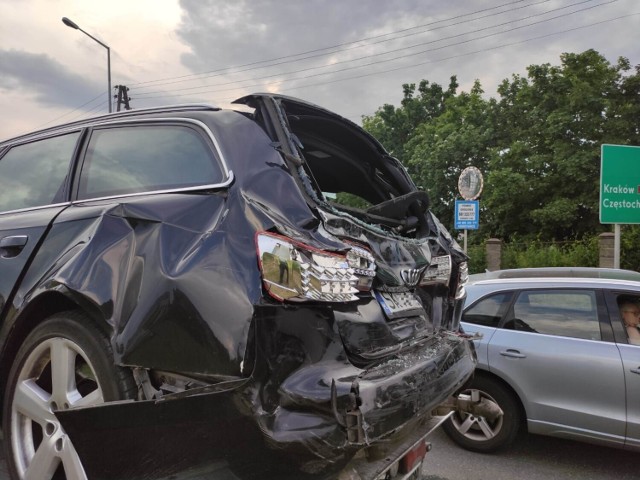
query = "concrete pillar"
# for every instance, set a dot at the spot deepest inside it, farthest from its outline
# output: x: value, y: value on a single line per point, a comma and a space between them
x: 606, y: 243
x: 494, y: 254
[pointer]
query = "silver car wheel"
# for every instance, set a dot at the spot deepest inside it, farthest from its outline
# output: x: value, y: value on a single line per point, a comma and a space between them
x: 56, y: 375
x: 474, y: 427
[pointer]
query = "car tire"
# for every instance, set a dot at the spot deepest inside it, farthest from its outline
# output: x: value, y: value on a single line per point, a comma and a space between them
x: 479, y: 434
x: 65, y: 362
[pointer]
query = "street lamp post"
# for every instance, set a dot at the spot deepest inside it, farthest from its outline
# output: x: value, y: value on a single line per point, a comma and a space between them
x: 71, y: 24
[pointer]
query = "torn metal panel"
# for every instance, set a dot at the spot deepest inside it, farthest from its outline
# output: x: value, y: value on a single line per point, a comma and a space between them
x: 165, y: 439
x: 147, y: 268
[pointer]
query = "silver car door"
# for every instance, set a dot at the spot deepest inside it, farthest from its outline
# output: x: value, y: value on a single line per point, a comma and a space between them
x: 631, y: 363
x: 570, y: 382
x: 630, y: 360
x: 480, y: 319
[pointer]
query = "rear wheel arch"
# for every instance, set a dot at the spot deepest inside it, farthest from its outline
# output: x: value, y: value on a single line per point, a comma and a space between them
x: 65, y: 361
x: 36, y: 312
x: 507, y: 385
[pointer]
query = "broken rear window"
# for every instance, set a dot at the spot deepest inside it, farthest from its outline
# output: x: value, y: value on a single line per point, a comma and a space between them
x: 355, y: 175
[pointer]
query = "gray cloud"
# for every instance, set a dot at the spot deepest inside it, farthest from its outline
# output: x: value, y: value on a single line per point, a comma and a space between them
x: 48, y: 80
x: 226, y: 34
x: 223, y: 34
x: 163, y: 61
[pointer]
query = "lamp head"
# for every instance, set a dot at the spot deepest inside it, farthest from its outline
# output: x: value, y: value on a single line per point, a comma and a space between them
x: 69, y: 23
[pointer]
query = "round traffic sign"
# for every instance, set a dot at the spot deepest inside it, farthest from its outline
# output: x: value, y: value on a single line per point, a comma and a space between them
x: 470, y: 183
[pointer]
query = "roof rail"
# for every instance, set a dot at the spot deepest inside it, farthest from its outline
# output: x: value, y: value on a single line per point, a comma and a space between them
x: 122, y: 114
x: 558, y: 272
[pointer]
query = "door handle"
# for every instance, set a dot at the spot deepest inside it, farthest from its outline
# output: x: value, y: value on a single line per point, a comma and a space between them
x: 512, y: 353
x: 636, y: 370
x: 12, y: 245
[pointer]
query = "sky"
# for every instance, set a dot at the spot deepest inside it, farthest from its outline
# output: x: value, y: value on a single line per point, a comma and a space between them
x: 350, y: 56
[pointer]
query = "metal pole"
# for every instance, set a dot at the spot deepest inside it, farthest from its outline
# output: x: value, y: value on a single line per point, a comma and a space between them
x: 616, y: 246
x: 465, y: 241
x: 71, y: 24
x: 109, y: 78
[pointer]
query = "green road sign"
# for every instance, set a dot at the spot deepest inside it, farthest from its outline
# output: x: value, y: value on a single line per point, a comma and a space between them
x: 620, y: 184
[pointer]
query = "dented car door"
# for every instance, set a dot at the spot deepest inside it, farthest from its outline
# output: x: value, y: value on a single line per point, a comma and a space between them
x: 28, y: 204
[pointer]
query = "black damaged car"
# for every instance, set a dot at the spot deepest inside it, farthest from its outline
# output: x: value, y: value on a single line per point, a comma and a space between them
x: 250, y: 294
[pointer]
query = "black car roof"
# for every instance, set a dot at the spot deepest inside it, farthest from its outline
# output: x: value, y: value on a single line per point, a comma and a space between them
x: 111, y: 116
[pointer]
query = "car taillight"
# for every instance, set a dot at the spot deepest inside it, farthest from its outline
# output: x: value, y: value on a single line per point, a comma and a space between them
x: 463, y: 278
x: 364, y: 267
x: 438, y: 271
x: 294, y: 271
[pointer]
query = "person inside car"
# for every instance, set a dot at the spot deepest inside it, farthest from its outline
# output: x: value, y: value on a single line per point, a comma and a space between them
x: 631, y: 316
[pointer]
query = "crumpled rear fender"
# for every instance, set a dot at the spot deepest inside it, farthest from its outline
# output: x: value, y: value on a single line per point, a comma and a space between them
x: 150, y: 271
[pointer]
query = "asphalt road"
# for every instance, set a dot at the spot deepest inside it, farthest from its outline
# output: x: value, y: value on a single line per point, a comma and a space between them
x: 532, y: 458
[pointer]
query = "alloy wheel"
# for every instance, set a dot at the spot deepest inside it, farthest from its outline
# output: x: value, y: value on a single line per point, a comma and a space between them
x: 56, y: 375
x: 474, y: 427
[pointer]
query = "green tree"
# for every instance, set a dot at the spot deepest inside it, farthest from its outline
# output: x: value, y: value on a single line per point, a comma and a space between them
x: 462, y: 135
x: 544, y: 176
x: 395, y: 127
x: 630, y: 247
x: 538, y: 144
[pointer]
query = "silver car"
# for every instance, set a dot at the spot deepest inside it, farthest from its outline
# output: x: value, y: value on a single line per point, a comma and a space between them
x: 553, y: 355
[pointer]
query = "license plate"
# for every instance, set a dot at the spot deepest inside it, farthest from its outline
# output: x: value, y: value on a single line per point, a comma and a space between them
x: 399, y: 304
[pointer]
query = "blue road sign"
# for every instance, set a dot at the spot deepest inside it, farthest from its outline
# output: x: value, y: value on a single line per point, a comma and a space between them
x: 467, y: 215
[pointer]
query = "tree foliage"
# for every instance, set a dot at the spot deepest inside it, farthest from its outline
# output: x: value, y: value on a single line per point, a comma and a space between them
x: 395, y: 127
x: 538, y: 143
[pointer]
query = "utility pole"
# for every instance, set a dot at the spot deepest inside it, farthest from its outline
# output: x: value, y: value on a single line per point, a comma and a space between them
x: 122, y: 97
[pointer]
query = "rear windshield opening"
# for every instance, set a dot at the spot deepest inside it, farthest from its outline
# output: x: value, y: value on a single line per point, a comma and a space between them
x: 355, y: 176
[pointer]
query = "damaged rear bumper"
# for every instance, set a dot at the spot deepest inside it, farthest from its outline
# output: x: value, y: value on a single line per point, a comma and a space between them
x: 364, y: 422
